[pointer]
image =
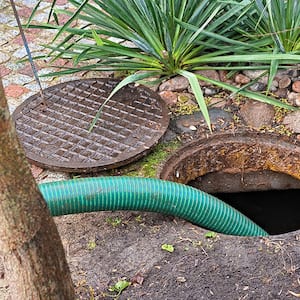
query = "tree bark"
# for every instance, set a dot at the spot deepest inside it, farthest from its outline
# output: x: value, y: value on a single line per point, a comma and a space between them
x: 34, y: 258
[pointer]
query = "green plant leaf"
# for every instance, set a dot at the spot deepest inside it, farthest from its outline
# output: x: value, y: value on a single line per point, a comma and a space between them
x: 120, y: 286
x: 168, y: 248
x: 193, y: 80
x: 97, y: 38
x: 249, y: 94
x: 68, y: 23
x: 211, y: 235
x: 129, y: 79
x: 91, y: 245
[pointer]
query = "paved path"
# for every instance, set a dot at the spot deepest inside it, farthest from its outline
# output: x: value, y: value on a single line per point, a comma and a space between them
x: 17, y: 76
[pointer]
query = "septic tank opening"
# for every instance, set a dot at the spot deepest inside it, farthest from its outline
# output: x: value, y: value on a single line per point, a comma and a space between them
x: 259, y: 174
x: 276, y: 211
x: 270, y: 199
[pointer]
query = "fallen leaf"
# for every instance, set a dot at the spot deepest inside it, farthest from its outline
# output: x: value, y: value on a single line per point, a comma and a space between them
x: 91, y: 245
x: 168, y: 247
x: 211, y: 235
x: 120, y: 286
x: 137, y: 278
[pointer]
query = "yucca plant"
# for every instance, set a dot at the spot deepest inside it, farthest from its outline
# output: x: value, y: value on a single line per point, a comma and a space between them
x: 167, y: 38
x: 277, y: 23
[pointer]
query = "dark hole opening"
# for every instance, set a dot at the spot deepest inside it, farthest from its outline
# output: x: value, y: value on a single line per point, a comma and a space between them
x: 276, y: 211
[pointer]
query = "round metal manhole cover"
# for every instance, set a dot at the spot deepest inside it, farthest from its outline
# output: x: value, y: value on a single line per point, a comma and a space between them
x: 55, y: 134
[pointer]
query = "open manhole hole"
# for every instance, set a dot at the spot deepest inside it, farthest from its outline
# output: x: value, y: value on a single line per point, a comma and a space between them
x: 55, y: 134
x: 257, y: 173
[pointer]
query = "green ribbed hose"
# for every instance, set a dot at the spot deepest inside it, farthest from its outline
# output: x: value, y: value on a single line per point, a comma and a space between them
x: 147, y: 194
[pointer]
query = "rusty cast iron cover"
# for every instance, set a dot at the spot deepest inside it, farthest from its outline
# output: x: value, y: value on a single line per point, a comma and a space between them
x: 55, y: 134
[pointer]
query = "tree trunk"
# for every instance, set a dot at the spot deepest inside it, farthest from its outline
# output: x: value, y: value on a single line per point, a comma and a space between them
x: 34, y: 258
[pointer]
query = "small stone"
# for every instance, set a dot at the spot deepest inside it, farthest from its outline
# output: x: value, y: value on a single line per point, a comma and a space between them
x: 296, y: 86
x: 217, y: 102
x: 284, y: 82
x: 36, y: 171
x: 241, y: 79
x: 293, y: 98
x: 170, y: 98
x: 176, y: 84
x: 257, y: 87
x: 192, y: 127
x: 274, y: 86
x: 294, y: 72
x: 14, y: 90
x: 292, y: 121
x: 281, y: 93
x: 186, y: 98
x: 257, y: 114
x: 209, y: 91
x: 253, y: 74
x: 211, y: 74
x: 223, y: 76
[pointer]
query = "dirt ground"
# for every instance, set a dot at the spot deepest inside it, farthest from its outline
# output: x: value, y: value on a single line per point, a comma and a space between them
x: 105, y: 247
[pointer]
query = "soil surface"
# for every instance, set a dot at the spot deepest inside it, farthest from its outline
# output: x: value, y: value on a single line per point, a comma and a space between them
x: 106, y: 247
x: 103, y: 248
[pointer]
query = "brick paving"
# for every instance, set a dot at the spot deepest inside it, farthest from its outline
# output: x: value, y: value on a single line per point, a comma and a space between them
x: 17, y: 76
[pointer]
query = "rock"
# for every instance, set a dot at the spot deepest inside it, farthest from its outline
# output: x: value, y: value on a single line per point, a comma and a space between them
x: 176, y: 84
x: 217, y: 102
x: 241, y: 79
x: 209, y: 91
x: 294, y: 98
x: 294, y: 72
x: 296, y: 86
x: 36, y: 171
x: 284, y: 82
x: 223, y: 75
x: 253, y: 74
x: 274, y: 86
x: 292, y: 121
x: 281, y: 93
x: 258, y: 87
x: 190, y: 123
x: 170, y: 98
x: 187, y: 98
x: 257, y: 114
x: 212, y: 74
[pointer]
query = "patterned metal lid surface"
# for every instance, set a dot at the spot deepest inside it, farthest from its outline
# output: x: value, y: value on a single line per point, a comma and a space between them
x: 55, y: 132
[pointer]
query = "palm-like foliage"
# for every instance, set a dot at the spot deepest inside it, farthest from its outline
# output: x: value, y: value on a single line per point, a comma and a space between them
x: 167, y: 37
x: 277, y: 23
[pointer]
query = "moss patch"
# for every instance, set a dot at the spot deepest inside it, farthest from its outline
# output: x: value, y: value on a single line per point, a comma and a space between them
x: 148, y: 166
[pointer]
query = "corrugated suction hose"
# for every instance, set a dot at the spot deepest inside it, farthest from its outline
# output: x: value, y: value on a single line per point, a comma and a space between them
x: 147, y: 194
